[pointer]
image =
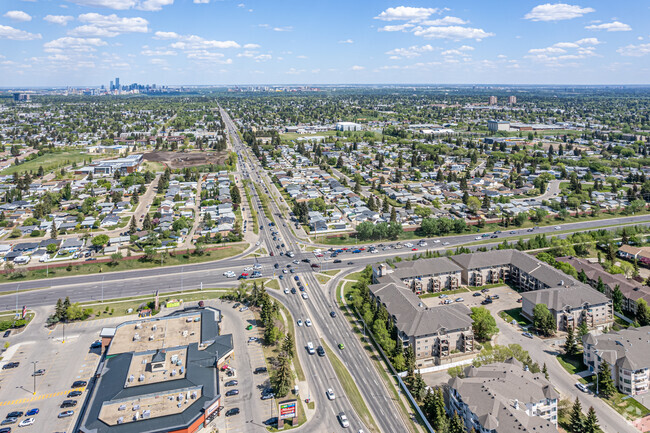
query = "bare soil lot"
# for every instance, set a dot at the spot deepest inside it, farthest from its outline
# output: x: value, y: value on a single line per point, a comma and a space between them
x: 176, y: 160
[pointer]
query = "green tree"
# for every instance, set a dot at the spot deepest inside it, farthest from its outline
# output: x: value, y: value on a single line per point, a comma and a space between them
x: 583, y: 329
x: 282, y: 376
x: 543, y: 320
x: 483, y: 325
x: 606, y: 387
x: 474, y: 204
x: 99, y: 241
x: 456, y: 425
x: 545, y: 371
x: 617, y: 299
x: 591, y: 422
x: 576, y: 419
x: 642, y: 313
x: 570, y: 346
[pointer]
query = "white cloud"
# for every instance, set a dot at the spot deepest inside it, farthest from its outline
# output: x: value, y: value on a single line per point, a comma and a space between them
x: 109, y: 25
x: 562, y: 51
x: 262, y: 58
x: 8, y: 32
x: 614, y: 26
x: 166, y: 35
x: 466, y: 48
x: 149, y: 52
x: 454, y: 53
x: 444, y: 21
x: 634, y: 50
x: 58, y: 19
x: 396, y: 28
x: 357, y: 68
x: 294, y: 71
x: 110, y: 4
x: 18, y: 16
x: 556, y: 12
x: 67, y: 44
x: 410, y: 52
x: 406, y: 13
x: 346, y: 41
x: 196, y: 42
x: 201, y: 2
x: 283, y: 29
x: 452, y: 32
x: 251, y: 46
x: 154, y: 5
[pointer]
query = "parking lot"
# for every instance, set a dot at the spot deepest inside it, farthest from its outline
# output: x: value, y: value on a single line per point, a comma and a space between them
x: 63, y: 362
x: 507, y: 299
x: 248, y: 356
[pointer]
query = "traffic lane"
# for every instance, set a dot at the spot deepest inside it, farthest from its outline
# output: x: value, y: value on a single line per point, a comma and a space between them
x: 355, y: 359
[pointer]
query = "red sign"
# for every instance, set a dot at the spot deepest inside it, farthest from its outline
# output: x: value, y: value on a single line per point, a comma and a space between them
x: 24, y: 312
x: 288, y: 409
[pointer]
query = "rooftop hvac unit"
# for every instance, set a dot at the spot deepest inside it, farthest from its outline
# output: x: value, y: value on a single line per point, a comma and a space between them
x: 131, y: 378
x: 136, y: 416
x: 151, y: 337
x: 198, y: 319
x: 122, y: 407
x: 185, y: 333
x: 182, y: 370
x: 194, y: 394
x: 146, y: 414
x: 189, y: 319
x: 144, y: 361
x: 120, y: 420
x: 141, y: 378
x: 136, y: 337
x: 179, y: 397
x: 179, y: 362
x: 138, y: 325
x: 136, y: 407
x: 187, y: 397
x: 154, y: 327
x: 174, y: 359
x: 179, y: 405
x: 173, y: 373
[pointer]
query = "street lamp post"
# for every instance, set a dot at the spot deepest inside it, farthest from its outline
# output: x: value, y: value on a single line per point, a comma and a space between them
x: 103, y: 288
x: 34, y: 375
x: 17, y: 298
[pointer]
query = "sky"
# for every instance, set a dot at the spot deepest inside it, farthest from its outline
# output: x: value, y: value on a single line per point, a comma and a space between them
x: 225, y: 42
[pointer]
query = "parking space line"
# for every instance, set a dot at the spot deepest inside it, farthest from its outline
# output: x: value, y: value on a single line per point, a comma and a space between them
x: 36, y: 398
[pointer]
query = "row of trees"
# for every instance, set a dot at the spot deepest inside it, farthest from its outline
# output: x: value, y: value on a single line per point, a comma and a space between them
x: 66, y: 311
x: 370, y: 231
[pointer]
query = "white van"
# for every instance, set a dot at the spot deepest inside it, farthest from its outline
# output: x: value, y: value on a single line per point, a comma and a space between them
x: 310, y: 348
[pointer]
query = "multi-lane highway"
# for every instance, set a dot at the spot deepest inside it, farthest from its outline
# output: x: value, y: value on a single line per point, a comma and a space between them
x: 279, y: 239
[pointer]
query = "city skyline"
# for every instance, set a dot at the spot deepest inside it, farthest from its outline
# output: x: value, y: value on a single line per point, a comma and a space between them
x: 85, y: 42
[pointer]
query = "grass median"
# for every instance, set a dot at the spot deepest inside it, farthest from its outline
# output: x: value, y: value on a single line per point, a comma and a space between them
x: 86, y: 268
x: 351, y: 389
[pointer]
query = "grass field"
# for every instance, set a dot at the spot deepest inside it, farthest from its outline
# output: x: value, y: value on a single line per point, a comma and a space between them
x: 125, y: 265
x: 573, y: 364
x: 351, y: 389
x: 153, y: 166
x: 50, y: 161
x: 514, y: 314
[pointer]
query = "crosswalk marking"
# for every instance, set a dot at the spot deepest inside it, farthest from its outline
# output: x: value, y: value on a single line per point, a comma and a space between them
x: 38, y: 397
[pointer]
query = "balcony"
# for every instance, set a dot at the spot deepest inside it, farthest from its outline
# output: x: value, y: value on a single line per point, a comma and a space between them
x: 478, y: 279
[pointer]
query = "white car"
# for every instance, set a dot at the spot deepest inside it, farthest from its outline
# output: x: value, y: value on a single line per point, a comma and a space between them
x: 248, y: 269
x: 557, y: 227
x: 445, y: 243
x: 437, y: 241
x: 242, y: 309
x: 343, y: 420
x: 299, y: 322
x: 478, y: 238
x: 408, y: 245
x: 330, y: 394
x: 582, y: 387
x: 286, y: 291
x: 257, y: 243
x: 304, y: 295
x: 308, y: 322
x: 422, y: 244
x: 26, y: 422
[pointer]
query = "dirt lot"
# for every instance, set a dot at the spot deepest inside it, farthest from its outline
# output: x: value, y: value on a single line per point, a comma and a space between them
x: 175, y: 160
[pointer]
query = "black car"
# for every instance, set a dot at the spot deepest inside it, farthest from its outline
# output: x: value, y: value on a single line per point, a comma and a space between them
x: 276, y: 266
x: 486, y: 301
x: 232, y: 383
x: 270, y: 421
x: 15, y: 414
x: 96, y: 344
x: 74, y: 394
x: 68, y: 403
x: 333, y: 313
x: 293, y: 290
x: 320, y: 351
x: 268, y: 396
x: 233, y: 411
x: 350, y: 263
x: 232, y: 392
x: 259, y: 370
x: 79, y: 383
x: 9, y: 365
x: 306, y: 260
x: 5, y: 430
x: 7, y: 333
x: 337, y: 261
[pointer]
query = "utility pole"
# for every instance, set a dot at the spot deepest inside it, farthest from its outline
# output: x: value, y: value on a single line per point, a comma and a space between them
x: 34, y: 375
x: 103, y: 288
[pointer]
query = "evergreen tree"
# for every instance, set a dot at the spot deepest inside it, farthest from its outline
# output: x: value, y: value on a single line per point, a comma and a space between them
x: 576, y: 419
x: 545, y: 371
x: 393, y: 214
x: 147, y: 224
x: 570, y: 347
x: 288, y: 346
x: 642, y: 313
x: 583, y: 329
x: 456, y: 425
x: 617, y: 299
x: 606, y: 387
x: 591, y: 423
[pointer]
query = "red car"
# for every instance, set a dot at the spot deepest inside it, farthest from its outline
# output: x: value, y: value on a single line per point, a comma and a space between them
x: 272, y: 253
x: 244, y: 274
x: 414, y: 249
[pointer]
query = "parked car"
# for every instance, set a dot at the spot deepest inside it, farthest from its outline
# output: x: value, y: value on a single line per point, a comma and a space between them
x: 79, y: 383
x: 68, y: 403
x: 268, y: 396
x: 7, y: 333
x: 9, y: 365
x: 259, y: 370
x: 233, y: 411
x: 232, y: 383
x: 39, y: 372
x: 582, y: 387
x: 8, y: 421
x: 527, y: 334
x: 232, y: 392
x: 26, y: 422
x: 74, y: 393
x: 32, y: 412
x: 66, y: 414
x: 15, y: 414
x: 96, y: 344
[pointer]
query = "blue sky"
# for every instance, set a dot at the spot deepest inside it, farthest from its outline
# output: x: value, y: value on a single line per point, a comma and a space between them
x: 214, y: 42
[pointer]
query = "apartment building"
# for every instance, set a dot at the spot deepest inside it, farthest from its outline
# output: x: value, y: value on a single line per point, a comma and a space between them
x: 421, y: 276
x: 632, y: 290
x: 628, y: 354
x: 504, y: 397
x: 438, y: 335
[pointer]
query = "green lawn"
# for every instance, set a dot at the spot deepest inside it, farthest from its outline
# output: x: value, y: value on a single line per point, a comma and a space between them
x: 153, y: 166
x: 514, y: 314
x: 52, y: 161
x: 573, y: 364
x: 627, y: 406
x: 323, y: 279
x: 332, y: 272
x: 351, y: 389
x: 86, y: 268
